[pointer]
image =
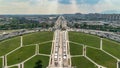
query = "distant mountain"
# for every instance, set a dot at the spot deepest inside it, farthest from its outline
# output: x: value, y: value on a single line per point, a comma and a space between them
x: 111, y: 12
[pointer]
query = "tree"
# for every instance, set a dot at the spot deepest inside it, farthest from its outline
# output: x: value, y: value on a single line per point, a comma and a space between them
x: 38, y: 64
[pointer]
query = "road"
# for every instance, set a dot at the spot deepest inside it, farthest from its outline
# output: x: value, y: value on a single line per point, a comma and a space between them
x: 60, y: 55
x: 61, y: 23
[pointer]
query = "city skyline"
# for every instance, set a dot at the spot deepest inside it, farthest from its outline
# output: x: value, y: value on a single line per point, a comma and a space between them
x: 58, y: 6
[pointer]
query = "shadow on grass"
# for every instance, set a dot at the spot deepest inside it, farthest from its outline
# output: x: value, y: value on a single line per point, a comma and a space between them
x: 38, y: 64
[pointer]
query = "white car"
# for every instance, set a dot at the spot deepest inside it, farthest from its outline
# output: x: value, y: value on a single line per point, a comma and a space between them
x: 55, y: 57
x: 56, y: 54
x: 64, y: 57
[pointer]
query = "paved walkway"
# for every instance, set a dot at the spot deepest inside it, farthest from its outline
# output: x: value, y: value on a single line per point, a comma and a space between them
x: 101, y: 48
x: 66, y: 41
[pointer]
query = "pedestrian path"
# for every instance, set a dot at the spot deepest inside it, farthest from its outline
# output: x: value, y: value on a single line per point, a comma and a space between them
x: 101, y: 49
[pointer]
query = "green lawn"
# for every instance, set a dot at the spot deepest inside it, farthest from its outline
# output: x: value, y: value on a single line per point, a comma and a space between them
x: 37, y: 37
x: 101, y: 58
x: 0, y: 62
x: 32, y: 63
x: 76, y: 49
x: 20, y: 55
x: 82, y: 62
x: 14, y: 67
x: 112, y: 47
x: 9, y: 45
x: 45, y: 48
x: 83, y: 38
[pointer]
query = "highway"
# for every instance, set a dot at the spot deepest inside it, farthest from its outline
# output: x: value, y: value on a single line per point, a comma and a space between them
x: 60, y: 55
x: 61, y: 23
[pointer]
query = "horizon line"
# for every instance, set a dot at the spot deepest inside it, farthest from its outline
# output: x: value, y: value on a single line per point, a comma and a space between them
x: 59, y: 13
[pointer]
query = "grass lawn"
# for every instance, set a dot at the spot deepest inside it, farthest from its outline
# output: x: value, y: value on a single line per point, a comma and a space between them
x: 9, y: 45
x: 32, y: 63
x: 20, y: 55
x: 101, y: 58
x: 112, y: 47
x: 76, y: 49
x: 83, y: 38
x: 37, y: 37
x: 45, y: 48
x: 82, y: 62
x: 14, y: 67
x: 0, y: 62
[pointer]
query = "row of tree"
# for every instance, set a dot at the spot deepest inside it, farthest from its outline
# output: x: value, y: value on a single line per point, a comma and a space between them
x: 24, y: 23
x: 96, y: 27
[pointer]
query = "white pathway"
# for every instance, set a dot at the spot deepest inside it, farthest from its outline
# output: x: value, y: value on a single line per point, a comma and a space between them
x: 21, y: 41
x: 69, y: 56
x: 101, y: 43
x: 101, y: 48
x: 21, y: 65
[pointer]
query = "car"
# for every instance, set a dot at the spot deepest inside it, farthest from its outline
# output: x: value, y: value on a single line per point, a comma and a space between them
x: 56, y: 54
x: 55, y: 57
x: 65, y: 57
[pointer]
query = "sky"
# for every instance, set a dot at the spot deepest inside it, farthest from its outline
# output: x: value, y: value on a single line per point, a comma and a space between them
x: 58, y: 6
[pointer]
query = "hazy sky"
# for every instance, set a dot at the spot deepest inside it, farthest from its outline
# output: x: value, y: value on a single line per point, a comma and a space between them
x: 58, y: 6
